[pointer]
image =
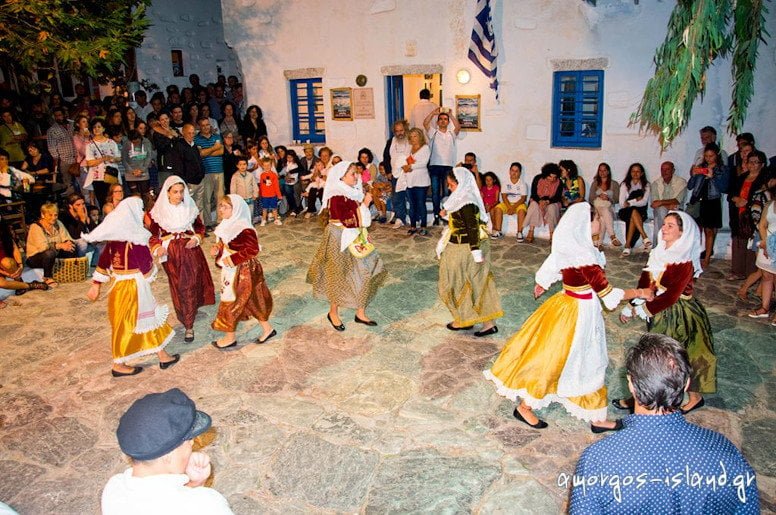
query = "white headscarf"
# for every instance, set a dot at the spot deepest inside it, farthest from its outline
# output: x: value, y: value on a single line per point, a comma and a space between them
x: 124, y: 223
x: 572, y: 242
x: 173, y: 218
x: 336, y: 187
x: 240, y: 220
x: 466, y: 193
x: 687, y: 248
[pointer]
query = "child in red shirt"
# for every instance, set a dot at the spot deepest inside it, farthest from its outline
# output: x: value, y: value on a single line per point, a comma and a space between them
x: 269, y: 189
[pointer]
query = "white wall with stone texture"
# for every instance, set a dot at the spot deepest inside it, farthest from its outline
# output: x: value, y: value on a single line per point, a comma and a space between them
x: 350, y: 37
x: 193, y: 26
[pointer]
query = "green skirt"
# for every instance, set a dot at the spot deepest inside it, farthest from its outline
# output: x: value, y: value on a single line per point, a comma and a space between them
x: 687, y: 322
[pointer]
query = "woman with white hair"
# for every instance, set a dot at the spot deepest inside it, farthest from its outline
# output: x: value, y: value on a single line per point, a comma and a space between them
x: 346, y: 268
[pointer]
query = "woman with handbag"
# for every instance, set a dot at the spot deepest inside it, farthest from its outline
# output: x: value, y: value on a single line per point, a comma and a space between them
x: 604, y: 194
x: 346, y: 268
x: 102, y: 154
x: 466, y: 283
x: 634, y: 195
x: 743, y: 187
x: 244, y: 291
x: 766, y: 250
x: 708, y: 182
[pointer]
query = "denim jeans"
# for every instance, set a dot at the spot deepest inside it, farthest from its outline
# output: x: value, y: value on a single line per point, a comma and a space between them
x: 438, y: 185
x: 289, y: 193
x: 418, y: 211
x: 399, y: 199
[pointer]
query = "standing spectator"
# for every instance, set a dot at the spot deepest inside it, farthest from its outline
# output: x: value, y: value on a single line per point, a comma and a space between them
x: 230, y: 121
x: 397, y: 150
x: 12, y: 136
x: 491, y: 194
x: 216, y: 102
x: 253, y: 126
x: 657, y: 442
x: 81, y: 139
x: 269, y: 188
x: 59, y: 139
x: 708, y: 135
x: 232, y: 152
x: 186, y: 163
x: 634, y: 199
x: 604, y: 194
x: 48, y: 240
x: 741, y: 190
x: 136, y: 156
x: 204, y: 112
x: 141, y: 106
x: 157, y: 433
x: 668, y: 194
x: 416, y: 172
x: 442, y: 144
x: 243, y: 183
x: 290, y: 172
x: 102, y: 155
x: 210, y: 149
x: 176, y: 117
x: 422, y: 109
x: 164, y: 139
x: 708, y: 182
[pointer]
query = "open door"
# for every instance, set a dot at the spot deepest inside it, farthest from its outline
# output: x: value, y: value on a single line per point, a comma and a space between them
x: 394, y: 101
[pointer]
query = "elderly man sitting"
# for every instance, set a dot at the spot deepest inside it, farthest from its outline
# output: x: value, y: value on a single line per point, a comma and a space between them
x: 660, y: 463
x: 166, y: 476
x: 668, y: 194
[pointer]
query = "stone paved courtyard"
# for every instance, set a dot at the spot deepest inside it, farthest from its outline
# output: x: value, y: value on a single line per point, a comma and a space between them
x: 392, y: 419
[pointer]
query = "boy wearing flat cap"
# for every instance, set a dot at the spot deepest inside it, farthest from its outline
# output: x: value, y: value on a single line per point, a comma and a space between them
x: 166, y: 476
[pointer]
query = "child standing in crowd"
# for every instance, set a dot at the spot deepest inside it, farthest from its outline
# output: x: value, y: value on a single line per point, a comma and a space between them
x: 491, y: 193
x: 244, y: 184
x: 314, y: 190
x: 381, y: 192
x: 269, y: 186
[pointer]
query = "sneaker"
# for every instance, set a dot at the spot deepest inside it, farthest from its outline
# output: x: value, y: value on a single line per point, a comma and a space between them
x: 626, y: 252
x: 437, y: 221
x: 278, y: 221
x: 758, y: 313
x: 520, y: 238
x: 263, y: 223
x: 398, y: 223
x: 496, y: 235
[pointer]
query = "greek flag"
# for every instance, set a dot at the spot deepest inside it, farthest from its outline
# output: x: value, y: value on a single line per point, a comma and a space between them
x: 482, y: 49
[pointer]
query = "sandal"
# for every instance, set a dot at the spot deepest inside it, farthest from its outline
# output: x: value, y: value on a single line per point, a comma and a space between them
x: 37, y: 285
x: 759, y: 313
x: 3, y: 304
x: 647, y: 244
x: 529, y: 238
x: 51, y: 283
x: 616, y: 243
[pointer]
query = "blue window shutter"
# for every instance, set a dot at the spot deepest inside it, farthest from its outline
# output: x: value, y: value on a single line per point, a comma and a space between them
x: 577, y: 109
x: 307, y: 110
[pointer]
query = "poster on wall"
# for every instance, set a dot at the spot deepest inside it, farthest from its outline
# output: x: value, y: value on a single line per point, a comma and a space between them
x: 363, y: 103
x: 342, y: 104
x: 467, y: 111
x: 177, y: 63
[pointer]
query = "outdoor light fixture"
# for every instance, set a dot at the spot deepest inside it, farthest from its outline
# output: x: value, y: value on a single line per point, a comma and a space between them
x: 463, y: 76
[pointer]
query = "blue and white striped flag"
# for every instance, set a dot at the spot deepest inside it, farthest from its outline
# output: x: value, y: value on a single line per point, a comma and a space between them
x: 482, y: 49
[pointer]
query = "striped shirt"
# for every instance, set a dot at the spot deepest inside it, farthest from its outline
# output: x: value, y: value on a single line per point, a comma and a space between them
x: 211, y: 164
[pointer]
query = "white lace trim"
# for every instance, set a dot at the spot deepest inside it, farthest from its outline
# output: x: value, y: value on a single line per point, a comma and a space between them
x: 521, y: 394
x: 147, y: 352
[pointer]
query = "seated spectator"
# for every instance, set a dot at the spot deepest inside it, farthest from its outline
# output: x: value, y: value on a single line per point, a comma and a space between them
x: 381, y: 192
x: 14, y: 278
x: 12, y: 137
x: 11, y: 179
x: 514, y: 196
x: 634, y: 199
x: 470, y: 163
x: 491, y: 193
x: 573, y: 184
x: 77, y: 222
x: 48, y: 240
x: 604, y: 194
x: 157, y: 433
x: 546, y: 194
x: 38, y: 163
x: 651, y: 461
x: 314, y: 190
x: 668, y: 194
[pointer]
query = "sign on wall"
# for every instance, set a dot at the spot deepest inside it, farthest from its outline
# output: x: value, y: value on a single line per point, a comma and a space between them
x: 342, y: 104
x: 363, y: 103
x: 467, y: 111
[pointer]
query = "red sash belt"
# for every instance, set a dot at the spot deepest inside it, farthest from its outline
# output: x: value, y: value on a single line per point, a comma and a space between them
x: 586, y: 296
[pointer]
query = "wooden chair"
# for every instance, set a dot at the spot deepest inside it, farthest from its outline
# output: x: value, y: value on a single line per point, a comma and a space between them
x: 13, y: 213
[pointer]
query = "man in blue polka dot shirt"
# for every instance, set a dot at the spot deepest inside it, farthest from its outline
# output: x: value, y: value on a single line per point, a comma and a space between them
x: 659, y: 462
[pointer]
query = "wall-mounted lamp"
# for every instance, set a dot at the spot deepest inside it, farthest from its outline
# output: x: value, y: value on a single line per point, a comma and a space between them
x: 463, y: 76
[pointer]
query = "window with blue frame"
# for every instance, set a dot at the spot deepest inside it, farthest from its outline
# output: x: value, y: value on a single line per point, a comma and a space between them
x: 307, y: 110
x: 577, y: 108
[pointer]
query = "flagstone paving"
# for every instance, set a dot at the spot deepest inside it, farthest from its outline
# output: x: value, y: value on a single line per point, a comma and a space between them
x: 395, y: 418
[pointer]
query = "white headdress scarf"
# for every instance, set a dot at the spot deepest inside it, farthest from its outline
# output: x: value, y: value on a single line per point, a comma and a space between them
x: 240, y: 220
x: 172, y: 218
x: 572, y: 242
x: 466, y: 193
x: 335, y: 186
x: 687, y: 248
x: 124, y: 223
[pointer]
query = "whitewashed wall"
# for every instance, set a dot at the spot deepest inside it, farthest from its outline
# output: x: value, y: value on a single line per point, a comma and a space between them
x: 351, y: 37
x: 193, y: 26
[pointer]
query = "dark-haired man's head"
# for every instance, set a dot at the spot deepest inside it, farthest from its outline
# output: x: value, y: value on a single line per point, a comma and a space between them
x: 658, y: 371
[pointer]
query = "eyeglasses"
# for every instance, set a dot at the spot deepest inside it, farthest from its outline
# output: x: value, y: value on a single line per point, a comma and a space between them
x: 755, y: 162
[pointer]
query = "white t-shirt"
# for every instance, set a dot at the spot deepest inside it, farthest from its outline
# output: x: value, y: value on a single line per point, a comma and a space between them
x: 515, y: 191
x: 164, y: 494
x: 442, y: 146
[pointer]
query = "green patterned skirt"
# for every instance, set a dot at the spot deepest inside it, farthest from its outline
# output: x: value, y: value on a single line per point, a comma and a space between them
x: 687, y: 322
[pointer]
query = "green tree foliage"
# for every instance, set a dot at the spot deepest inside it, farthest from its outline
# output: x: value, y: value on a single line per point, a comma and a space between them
x: 700, y: 32
x: 83, y: 36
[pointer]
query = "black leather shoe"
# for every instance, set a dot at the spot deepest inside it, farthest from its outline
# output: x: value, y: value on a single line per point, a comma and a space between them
x: 623, y: 404
x: 135, y: 371
x: 539, y: 425
x: 370, y: 323
x: 167, y: 364
x: 599, y: 429
x: 270, y: 335
x: 187, y: 338
x: 486, y: 332
x: 451, y: 327
x: 701, y: 403
x: 340, y: 327
x: 214, y: 343
x: 437, y: 221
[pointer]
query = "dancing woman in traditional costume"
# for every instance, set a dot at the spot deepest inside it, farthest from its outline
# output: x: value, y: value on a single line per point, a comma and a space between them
x: 244, y: 292
x: 176, y: 234
x: 466, y: 283
x: 139, y: 325
x: 671, y: 270
x: 559, y: 354
x: 346, y: 268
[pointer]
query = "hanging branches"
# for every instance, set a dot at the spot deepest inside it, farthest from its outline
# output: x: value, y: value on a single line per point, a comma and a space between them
x: 699, y: 32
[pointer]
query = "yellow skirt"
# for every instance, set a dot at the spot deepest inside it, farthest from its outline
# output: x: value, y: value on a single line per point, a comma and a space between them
x: 532, y: 361
x: 122, y: 313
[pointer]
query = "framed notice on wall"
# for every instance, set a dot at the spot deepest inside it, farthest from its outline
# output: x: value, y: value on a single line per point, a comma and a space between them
x: 363, y: 103
x: 467, y: 111
x: 177, y: 63
x: 342, y: 104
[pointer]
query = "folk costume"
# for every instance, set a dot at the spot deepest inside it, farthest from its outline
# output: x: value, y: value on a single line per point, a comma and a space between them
x: 172, y: 227
x: 244, y: 292
x: 346, y: 268
x: 466, y: 283
x: 675, y: 312
x: 139, y: 324
x: 559, y: 354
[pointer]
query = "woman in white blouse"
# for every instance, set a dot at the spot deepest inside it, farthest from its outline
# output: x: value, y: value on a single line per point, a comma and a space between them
x: 418, y: 181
